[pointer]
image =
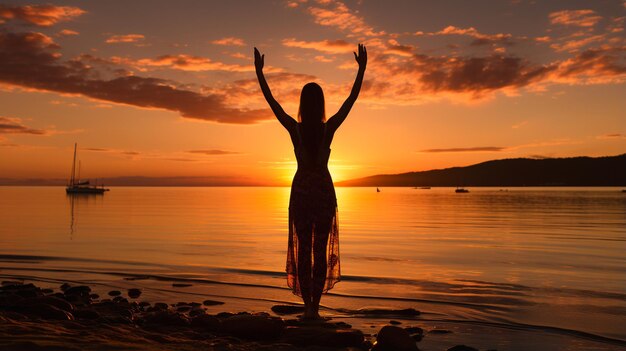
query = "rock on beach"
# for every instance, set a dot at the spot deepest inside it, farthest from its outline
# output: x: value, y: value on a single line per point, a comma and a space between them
x: 392, y: 338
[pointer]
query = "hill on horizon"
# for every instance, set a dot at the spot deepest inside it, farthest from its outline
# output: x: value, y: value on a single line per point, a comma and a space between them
x: 571, y: 171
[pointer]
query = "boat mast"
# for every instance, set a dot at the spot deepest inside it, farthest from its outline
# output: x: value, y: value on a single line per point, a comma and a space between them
x: 72, y: 179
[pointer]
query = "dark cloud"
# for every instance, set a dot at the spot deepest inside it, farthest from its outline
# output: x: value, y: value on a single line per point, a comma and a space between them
x: 598, y: 63
x: 39, y: 15
x: 420, y: 77
x: 213, y: 152
x: 469, y: 149
x: 32, y: 60
x: 479, y: 74
x: 15, y: 126
x: 96, y: 149
x: 612, y: 136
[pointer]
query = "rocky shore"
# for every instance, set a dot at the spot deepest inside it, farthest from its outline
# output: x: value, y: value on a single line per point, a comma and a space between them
x: 75, y: 318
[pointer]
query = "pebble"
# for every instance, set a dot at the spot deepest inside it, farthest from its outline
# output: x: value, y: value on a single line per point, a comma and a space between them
x: 319, y: 335
x: 287, y: 309
x: 134, y: 293
x: 181, y: 285
x: 206, y: 322
x: 462, y: 348
x: 53, y: 301
x: 81, y: 290
x: 166, y: 318
x: 377, y: 311
x: 393, y: 322
x: 439, y: 331
x: 253, y: 327
x: 196, y: 312
x: 212, y: 302
x: 49, y: 312
x: 86, y: 314
x: 394, y: 339
x: 11, y: 282
x: 183, y: 309
x: 414, y: 330
x: 115, y: 293
x: 161, y: 306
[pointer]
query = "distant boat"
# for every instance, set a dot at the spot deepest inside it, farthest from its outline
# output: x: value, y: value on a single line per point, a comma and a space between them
x: 425, y: 187
x: 377, y: 190
x: 76, y: 186
x: 461, y: 190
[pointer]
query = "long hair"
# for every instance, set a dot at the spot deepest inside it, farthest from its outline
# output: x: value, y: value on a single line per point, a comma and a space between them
x: 312, y: 106
x: 312, y: 115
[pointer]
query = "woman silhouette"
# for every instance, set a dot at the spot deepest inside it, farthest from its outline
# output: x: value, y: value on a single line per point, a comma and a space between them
x: 313, y: 252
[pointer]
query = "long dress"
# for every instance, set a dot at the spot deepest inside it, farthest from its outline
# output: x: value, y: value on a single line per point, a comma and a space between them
x: 312, y: 205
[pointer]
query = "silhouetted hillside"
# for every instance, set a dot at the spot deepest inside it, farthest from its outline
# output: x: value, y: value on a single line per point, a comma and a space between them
x: 574, y: 171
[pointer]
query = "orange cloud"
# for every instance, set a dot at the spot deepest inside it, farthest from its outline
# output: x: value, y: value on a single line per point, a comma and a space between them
x: 295, y: 3
x: 578, y: 18
x: 32, y: 60
x: 395, y: 48
x: 337, y: 14
x: 330, y: 46
x: 594, y: 66
x: 67, y: 32
x: 182, y: 62
x: 572, y: 45
x: 479, y: 38
x: 320, y: 58
x: 125, y: 38
x: 422, y: 78
x: 230, y: 41
x: 286, y: 88
x: 40, y: 15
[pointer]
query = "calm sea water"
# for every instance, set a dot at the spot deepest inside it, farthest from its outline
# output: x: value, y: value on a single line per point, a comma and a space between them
x: 551, y: 258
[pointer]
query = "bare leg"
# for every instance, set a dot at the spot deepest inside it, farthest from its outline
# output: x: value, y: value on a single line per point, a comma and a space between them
x: 304, y: 231
x: 320, y: 243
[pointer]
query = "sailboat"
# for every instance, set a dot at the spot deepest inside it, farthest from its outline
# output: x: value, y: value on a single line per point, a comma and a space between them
x: 76, y: 186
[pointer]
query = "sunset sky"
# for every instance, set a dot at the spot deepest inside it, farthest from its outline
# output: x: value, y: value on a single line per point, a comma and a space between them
x: 167, y: 88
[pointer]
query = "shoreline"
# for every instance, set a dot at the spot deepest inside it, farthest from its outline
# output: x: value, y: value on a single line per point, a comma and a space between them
x: 74, y: 317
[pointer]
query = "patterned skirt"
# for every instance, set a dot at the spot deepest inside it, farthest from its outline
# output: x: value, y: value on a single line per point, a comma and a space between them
x: 313, y: 226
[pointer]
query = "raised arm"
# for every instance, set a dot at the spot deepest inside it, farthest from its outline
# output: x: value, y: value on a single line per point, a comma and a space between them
x: 335, y: 121
x: 287, y: 121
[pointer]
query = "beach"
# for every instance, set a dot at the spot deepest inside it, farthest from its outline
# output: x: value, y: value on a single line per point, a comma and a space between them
x: 78, y: 318
x: 477, y: 278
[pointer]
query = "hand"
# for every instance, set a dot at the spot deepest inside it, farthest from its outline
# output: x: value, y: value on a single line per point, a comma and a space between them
x: 361, y: 58
x: 259, y: 59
